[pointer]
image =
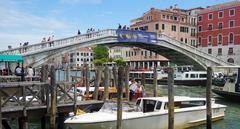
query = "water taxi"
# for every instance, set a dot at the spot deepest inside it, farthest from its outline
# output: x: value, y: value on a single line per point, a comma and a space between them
x: 183, y: 75
x: 149, y: 113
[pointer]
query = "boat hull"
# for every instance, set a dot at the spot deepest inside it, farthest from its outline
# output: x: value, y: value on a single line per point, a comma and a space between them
x: 183, y: 119
x: 228, y: 95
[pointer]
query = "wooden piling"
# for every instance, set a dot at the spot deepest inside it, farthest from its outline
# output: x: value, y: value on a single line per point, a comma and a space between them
x: 75, y: 99
x: 170, y: 99
x: 87, y: 80
x: 98, y: 74
x: 106, y: 83
x: 127, y: 69
x: 119, y: 97
x: 68, y: 77
x: 0, y: 111
x: 209, y: 95
x: 115, y: 76
x: 45, y: 95
x: 155, y: 81
x: 53, y: 99
x: 143, y: 79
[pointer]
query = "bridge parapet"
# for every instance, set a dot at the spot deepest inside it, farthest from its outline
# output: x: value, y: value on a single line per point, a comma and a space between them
x: 26, y: 50
x: 191, y: 49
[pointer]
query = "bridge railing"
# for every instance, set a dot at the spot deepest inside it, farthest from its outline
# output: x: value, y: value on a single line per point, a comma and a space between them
x: 190, y: 48
x: 25, y: 50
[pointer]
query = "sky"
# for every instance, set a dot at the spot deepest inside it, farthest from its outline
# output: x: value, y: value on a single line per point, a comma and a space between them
x: 31, y: 20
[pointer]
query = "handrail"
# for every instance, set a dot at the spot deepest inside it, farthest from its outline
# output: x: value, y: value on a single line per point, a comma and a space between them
x: 188, y: 47
x: 60, y: 42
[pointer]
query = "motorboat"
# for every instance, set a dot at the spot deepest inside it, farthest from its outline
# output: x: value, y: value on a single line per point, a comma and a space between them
x: 228, y: 86
x: 149, y: 113
x: 183, y: 75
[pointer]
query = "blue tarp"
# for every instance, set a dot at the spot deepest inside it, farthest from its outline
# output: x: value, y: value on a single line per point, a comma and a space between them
x: 136, y: 36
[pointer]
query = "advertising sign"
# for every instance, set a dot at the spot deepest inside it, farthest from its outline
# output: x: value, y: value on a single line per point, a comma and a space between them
x: 136, y: 36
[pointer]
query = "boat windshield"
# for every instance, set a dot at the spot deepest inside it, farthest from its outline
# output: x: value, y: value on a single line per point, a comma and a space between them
x: 112, y: 106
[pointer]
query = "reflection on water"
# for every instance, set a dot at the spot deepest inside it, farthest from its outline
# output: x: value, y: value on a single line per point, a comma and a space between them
x: 232, y: 113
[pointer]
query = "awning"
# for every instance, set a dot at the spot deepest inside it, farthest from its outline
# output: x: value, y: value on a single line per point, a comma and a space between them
x: 11, y: 58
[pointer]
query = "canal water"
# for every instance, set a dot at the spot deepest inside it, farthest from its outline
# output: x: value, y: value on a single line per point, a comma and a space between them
x: 232, y: 114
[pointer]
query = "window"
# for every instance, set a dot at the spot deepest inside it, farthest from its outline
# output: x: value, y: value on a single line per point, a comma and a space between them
x: 210, y: 16
x: 209, y: 40
x: 220, y: 25
x: 77, y: 54
x: 220, y: 14
x: 148, y: 105
x: 174, y: 28
x: 167, y: 16
x: 219, y: 51
x: 186, y: 40
x: 220, y: 39
x: 77, y: 59
x: 156, y: 26
x: 186, y: 75
x: 231, y: 38
x: 230, y: 51
x: 159, y: 104
x: 193, y: 32
x: 210, y: 26
x: 136, y: 28
x: 183, y: 29
x: 209, y: 51
x: 203, y: 76
x: 181, y: 39
x: 199, y: 40
x: 232, y: 12
x: 199, y: 18
x: 230, y: 60
x: 199, y: 28
x: 231, y: 23
x: 145, y: 27
x: 193, y: 75
x: 142, y: 53
x: 149, y: 18
x: 135, y: 53
x: 163, y: 16
x: 163, y: 26
x: 175, y: 18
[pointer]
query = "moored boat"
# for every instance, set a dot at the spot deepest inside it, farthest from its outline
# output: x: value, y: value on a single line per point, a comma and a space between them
x: 149, y: 113
x: 230, y: 89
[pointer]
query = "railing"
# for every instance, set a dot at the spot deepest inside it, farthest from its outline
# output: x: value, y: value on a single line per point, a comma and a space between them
x: 190, y: 48
x: 25, y: 50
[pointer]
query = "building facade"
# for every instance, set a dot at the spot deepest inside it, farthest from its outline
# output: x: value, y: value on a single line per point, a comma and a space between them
x: 175, y: 22
x: 137, y: 58
x: 219, y: 31
x: 80, y: 57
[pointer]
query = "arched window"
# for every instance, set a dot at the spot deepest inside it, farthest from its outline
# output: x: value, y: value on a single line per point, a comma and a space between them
x: 231, y: 38
x: 220, y: 39
x: 230, y: 60
x: 209, y: 40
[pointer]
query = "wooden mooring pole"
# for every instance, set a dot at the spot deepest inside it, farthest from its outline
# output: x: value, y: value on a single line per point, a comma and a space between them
x: 98, y: 74
x: 155, y: 81
x: 127, y: 69
x: 0, y: 111
x: 119, y: 97
x: 87, y: 80
x: 115, y: 76
x: 45, y: 95
x: 106, y: 83
x: 170, y: 99
x: 53, y: 99
x: 209, y: 95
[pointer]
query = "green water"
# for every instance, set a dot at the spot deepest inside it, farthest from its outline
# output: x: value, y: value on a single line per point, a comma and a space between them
x: 232, y: 114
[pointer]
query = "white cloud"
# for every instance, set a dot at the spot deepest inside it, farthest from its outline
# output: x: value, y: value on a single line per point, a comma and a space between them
x: 17, y: 26
x: 80, y: 1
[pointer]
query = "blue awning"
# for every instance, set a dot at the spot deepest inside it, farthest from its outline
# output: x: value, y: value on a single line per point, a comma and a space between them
x: 11, y: 58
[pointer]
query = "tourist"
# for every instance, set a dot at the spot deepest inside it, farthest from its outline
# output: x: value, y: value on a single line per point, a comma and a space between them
x: 119, y: 26
x: 79, y: 32
x: 18, y: 70
x: 30, y: 73
x: 124, y: 27
x: 141, y: 90
x: 133, y: 89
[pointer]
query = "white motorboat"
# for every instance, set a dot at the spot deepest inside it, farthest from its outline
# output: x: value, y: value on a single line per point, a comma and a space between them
x: 149, y: 113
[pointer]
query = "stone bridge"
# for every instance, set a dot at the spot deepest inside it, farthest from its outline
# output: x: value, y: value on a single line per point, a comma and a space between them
x: 178, y: 52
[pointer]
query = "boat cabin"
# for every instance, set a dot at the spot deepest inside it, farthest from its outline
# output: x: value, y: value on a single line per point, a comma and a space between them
x: 153, y: 104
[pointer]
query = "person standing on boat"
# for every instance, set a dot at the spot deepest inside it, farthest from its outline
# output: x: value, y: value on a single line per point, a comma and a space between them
x: 133, y: 89
x: 140, y: 92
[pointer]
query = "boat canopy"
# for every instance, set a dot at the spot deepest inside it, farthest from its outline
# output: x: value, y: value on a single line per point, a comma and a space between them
x: 11, y: 58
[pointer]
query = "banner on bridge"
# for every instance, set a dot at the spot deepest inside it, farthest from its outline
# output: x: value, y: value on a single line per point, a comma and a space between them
x: 136, y: 36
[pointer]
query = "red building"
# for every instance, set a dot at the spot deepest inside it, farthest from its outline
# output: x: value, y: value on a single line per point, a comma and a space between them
x: 219, y: 31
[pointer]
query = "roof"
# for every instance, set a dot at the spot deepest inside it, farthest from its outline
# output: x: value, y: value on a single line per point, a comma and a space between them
x: 11, y: 58
x: 176, y: 98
